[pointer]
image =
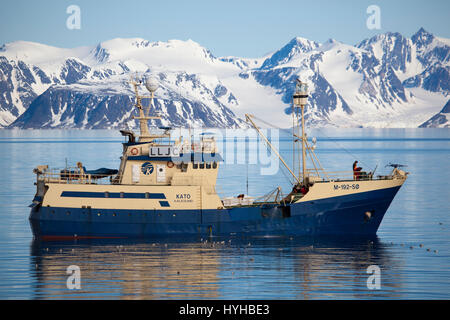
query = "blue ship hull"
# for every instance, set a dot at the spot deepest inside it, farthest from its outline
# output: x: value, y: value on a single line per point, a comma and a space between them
x: 342, y: 215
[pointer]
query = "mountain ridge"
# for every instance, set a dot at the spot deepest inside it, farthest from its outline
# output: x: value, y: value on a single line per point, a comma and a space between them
x: 385, y: 81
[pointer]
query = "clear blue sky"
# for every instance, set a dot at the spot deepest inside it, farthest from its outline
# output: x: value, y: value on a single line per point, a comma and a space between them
x: 245, y: 28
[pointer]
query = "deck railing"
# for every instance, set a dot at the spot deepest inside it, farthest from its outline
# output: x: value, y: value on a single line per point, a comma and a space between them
x: 344, y: 176
x: 207, y: 146
x: 74, y: 175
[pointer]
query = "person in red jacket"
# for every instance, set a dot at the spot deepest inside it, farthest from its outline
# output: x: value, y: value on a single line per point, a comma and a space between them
x: 356, y: 170
x: 304, y: 190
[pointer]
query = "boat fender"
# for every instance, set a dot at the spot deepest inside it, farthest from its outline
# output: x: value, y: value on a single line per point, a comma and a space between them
x: 134, y: 151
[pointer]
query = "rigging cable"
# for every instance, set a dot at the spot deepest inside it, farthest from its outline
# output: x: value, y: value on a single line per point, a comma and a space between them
x: 340, y: 146
x: 331, y: 139
x: 268, y: 147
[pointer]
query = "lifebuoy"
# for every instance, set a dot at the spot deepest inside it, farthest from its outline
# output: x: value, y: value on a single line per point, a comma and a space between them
x: 170, y: 164
x: 134, y: 151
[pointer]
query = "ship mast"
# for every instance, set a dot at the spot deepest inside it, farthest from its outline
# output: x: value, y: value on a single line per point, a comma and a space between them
x: 152, y: 85
x: 300, y: 100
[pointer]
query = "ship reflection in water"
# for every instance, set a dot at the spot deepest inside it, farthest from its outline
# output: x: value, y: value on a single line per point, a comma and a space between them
x: 216, y: 268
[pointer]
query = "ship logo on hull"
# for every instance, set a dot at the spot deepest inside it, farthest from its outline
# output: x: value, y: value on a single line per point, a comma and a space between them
x: 147, y: 168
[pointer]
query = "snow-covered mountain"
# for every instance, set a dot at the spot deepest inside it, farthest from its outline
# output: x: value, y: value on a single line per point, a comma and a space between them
x: 99, y: 104
x: 87, y: 87
x: 367, y: 85
x: 439, y: 120
x: 385, y: 81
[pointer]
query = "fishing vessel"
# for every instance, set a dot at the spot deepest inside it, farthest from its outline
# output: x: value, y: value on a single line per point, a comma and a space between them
x: 168, y: 188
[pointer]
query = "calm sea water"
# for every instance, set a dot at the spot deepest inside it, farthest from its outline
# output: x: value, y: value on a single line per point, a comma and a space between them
x: 411, y: 248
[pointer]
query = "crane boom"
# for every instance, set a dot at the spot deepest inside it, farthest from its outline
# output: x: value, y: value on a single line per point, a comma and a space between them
x: 249, y: 118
